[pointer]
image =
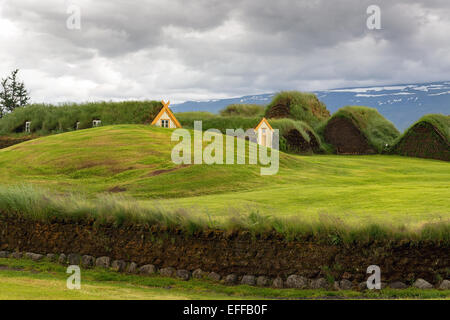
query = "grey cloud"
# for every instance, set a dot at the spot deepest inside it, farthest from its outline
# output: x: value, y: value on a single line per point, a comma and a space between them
x: 212, y: 48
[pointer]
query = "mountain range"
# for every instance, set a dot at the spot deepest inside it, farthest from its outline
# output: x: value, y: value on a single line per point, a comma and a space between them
x: 402, y: 104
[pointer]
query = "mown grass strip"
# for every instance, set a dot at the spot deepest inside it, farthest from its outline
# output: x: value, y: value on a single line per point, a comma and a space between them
x: 52, y: 277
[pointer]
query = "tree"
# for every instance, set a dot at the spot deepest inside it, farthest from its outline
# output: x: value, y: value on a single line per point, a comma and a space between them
x: 13, y: 94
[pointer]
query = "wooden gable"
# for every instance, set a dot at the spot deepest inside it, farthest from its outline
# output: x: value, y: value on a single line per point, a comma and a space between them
x: 165, y: 109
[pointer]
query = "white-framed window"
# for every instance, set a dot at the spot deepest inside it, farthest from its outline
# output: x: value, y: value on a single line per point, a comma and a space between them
x: 164, y: 123
x: 96, y: 123
x: 28, y: 126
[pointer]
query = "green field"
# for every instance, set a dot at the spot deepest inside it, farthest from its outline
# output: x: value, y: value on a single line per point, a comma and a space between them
x: 129, y: 159
x: 126, y: 172
x: 30, y: 280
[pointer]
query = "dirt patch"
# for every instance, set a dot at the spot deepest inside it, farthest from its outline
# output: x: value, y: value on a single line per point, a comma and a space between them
x: 6, y: 142
x: 423, y: 140
x: 99, y: 163
x: 227, y: 252
x: 158, y: 172
x: 8, y: 268
x: 343, y: 134
x: 116, y: 189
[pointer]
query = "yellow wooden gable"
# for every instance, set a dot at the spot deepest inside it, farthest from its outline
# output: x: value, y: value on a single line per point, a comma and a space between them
x: 264, y: 120
x: 165, y: 110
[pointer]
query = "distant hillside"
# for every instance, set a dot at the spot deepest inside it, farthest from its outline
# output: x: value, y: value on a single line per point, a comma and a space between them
x: 401, y: 104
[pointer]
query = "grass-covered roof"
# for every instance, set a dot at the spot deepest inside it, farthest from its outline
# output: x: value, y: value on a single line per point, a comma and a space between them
x: 427, y: 138
x: 242, y: 110
x: 298, y: 106
x: 439, y: 121
x: 376, y: 128
x: 46, y: 118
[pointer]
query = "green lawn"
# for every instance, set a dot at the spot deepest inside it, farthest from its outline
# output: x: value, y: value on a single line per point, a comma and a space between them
x: 358, y: 189
x: 392, y: 190
x: 25, y: 279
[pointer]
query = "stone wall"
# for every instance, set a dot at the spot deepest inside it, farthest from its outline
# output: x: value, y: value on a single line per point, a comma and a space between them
x: 227, y: 253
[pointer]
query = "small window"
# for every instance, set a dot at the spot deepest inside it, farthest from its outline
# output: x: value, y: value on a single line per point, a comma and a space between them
x: 165, y: 123
x: 28, y: 126
x: 96, y: 123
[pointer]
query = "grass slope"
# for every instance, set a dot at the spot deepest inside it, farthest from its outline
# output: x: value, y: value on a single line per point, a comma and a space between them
x: 135, y: 159
x: 132, y: 157
x: 30, y: 280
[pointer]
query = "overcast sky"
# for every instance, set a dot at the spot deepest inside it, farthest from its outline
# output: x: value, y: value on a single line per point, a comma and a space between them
x: 193, y: 50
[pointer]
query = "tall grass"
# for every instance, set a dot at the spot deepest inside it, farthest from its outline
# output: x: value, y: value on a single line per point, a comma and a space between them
x: 31, y: 203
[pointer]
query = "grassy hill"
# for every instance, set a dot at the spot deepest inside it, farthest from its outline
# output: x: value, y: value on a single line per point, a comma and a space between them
x: 134, y: 160
x: 131, y: 158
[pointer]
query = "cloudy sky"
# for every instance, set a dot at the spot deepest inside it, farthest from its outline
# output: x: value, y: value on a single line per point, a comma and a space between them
x: 201, y: 49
